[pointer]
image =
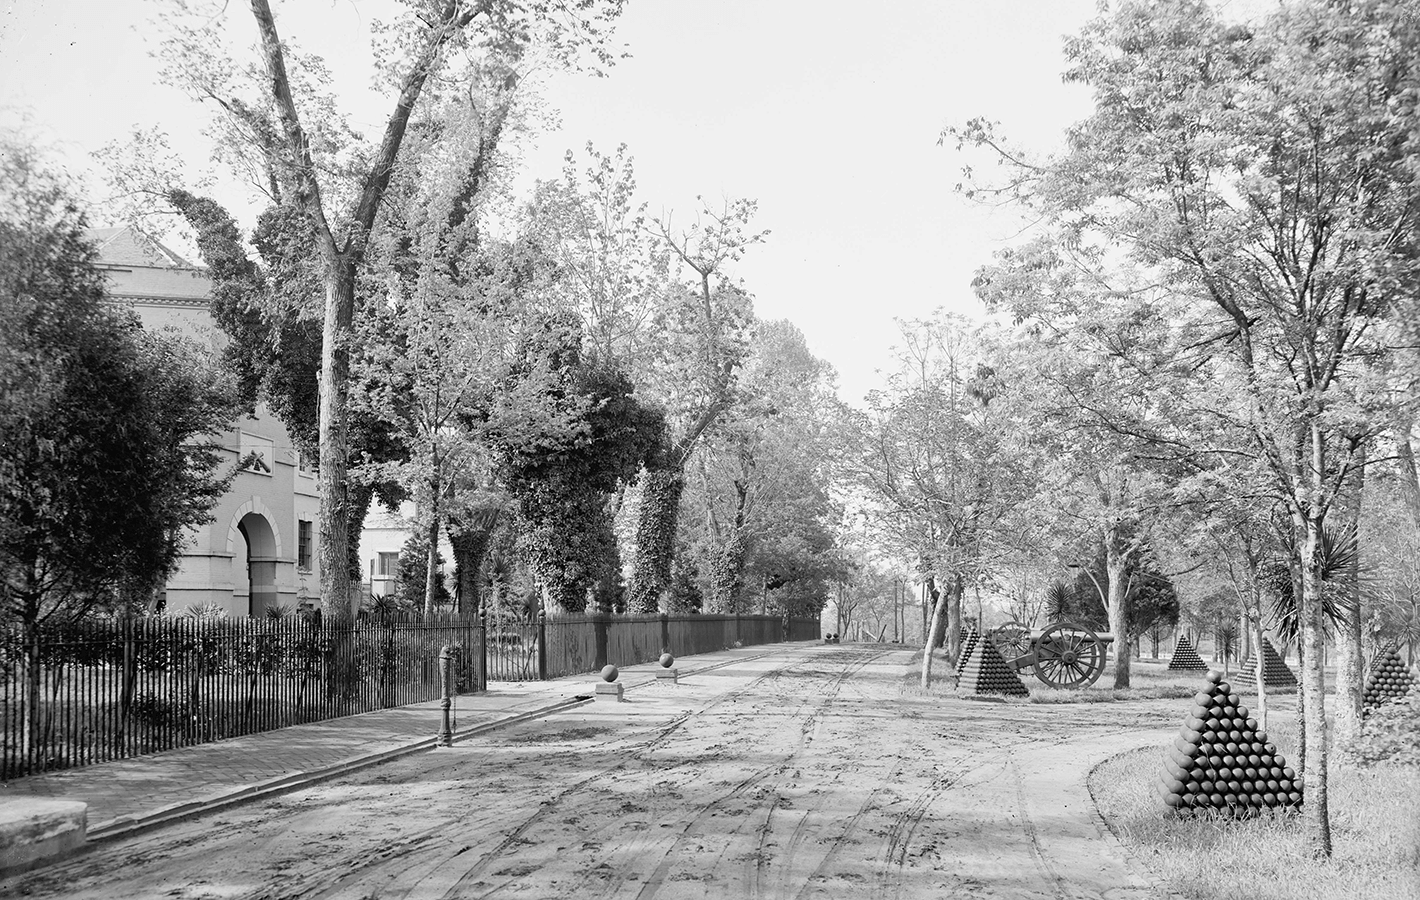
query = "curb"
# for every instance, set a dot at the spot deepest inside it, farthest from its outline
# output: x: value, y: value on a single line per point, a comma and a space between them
x: 128, y: 826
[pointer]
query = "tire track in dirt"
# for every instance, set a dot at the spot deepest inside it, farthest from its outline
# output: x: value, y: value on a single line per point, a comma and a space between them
x: 685, y: 833
x: 567, y: 801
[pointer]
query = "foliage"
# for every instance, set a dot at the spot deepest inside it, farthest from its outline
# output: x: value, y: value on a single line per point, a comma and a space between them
x: 108, y: 456
x: 412, y: 572
x: 568, y: 432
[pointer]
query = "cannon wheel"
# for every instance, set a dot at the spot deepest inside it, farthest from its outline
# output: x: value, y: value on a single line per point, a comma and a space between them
x: 1069, y: 656
x: 1011, y: 640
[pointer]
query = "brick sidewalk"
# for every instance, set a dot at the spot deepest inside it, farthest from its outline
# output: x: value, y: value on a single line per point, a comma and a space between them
x: 130, y: 793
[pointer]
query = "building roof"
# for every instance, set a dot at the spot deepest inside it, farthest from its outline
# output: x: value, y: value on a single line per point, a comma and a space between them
x: 127, y: 246
x: 140, y: 268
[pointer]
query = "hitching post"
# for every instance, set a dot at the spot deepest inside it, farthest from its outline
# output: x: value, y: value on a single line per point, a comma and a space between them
x: 541, y: 645
x: 446, y: 731
x: 482, y: 649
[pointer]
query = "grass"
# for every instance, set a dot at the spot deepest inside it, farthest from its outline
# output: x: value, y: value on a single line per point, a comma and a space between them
x: 1375, y: 821
x: 1148, y: 680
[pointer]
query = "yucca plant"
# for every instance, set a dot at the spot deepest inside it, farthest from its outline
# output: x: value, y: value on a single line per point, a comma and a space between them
x: 1339, y: 555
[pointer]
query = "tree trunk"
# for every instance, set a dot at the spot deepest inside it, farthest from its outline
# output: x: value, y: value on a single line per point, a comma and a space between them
x: 939, y: 614
x: 953, y: 636
x: 1350, y: 675
x: 1409, y: 478
x: 361, y: 496
x: 655, y: 540
x: 431, y: 563
x: 1313, y: 687
x: 336, y: 597
x: 1116, y: 563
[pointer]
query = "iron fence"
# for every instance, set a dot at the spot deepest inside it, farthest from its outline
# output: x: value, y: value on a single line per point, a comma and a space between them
x: 80, y: 693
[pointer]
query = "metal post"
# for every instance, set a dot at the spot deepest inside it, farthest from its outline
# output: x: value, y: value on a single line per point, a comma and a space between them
x: 542, y: 645
x: 665, y: 632
x: 482, y: 649
x: 446, y: 731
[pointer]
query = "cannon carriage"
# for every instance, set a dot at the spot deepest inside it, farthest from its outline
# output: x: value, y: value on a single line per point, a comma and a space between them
x: 1064, y: 655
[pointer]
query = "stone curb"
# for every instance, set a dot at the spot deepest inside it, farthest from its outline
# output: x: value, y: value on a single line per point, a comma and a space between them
x: 127, y: 826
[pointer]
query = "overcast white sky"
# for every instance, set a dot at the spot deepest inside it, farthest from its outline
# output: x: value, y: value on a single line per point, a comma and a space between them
x: 826, y: 112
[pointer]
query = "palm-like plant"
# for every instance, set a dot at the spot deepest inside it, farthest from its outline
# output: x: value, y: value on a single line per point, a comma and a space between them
x: 1339, y: 555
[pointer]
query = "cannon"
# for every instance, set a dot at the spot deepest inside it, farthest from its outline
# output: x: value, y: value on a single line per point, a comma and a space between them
x: 1064, y: 655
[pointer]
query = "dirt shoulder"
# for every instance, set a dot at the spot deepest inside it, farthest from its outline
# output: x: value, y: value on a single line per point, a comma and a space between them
x: 811, y: 773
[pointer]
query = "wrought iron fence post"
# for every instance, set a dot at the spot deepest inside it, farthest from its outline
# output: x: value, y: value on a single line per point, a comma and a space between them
x: 542, y: 645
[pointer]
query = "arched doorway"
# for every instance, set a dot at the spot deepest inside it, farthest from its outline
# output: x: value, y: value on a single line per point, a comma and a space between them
x: 260, y: 566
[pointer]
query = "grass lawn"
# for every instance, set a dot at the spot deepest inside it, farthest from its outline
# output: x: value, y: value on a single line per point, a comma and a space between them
x: 1375, y: 822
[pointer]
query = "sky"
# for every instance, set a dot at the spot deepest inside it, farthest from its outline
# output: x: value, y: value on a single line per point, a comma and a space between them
x: 827, y: 113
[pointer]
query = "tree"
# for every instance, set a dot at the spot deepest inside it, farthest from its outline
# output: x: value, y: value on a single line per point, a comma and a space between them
x: 703, y: 329
x: 568, y: 433
x: 109, y: 455
x: 764, y: 474
x: 268, y: 126
x: 932, y: 450
x: 1266, y: 175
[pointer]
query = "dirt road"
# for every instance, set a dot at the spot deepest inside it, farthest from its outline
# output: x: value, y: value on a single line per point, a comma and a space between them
x: 815, y: 772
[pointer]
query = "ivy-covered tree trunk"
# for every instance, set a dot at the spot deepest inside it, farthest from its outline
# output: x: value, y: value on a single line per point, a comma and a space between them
x: 361, y: 496
x: 655, y: 539
x: 726, y: 582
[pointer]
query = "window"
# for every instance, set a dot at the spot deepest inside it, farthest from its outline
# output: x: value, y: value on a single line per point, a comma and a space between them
x: 303, y: 466
x: 303, y: 545
x: 389, y: 564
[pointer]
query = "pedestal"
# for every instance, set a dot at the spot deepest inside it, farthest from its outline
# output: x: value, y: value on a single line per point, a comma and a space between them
x: 609, y: 691
x: 671, y: 676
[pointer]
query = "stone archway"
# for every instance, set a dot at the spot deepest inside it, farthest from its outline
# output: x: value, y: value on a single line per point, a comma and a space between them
x: 252, y: 526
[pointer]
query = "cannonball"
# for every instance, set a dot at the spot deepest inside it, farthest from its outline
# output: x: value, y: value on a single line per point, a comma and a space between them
x: 1224, y: 688
x: 667, y: 660
x: 1213, y: 676
x: 609, y: 673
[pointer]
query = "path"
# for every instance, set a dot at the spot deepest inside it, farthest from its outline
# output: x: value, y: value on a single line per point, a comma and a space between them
x: 811, y: 772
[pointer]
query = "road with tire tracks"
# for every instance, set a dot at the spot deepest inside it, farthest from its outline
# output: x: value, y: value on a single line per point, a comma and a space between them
x: 815, y: 771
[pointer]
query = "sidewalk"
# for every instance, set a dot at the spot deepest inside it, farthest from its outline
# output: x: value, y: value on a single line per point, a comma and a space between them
x: 130, y: 795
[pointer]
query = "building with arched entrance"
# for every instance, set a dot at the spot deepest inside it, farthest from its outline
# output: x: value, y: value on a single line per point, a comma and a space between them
x: 259, y: 550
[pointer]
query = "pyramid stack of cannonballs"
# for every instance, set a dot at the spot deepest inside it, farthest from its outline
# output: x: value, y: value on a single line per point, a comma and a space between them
x: 967, y: 645
x: 1275, y: 672
x: 1221, y: 764
x: 1185, y: 658
x: 983, y: 671
x: 1389, y: 680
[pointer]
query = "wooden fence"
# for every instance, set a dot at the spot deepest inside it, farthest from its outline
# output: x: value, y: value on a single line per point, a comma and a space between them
x: 554, y: 646
x: 86, y: 692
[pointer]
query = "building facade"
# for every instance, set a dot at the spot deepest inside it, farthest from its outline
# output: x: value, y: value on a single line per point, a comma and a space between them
x: 260, y: 549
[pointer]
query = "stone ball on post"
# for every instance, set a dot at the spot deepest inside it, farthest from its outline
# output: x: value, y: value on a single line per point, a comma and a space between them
x: 610, y: 673
x: 667, y: 660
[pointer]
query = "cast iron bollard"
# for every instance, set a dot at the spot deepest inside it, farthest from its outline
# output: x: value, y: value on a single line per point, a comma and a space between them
x: 446, y: 731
